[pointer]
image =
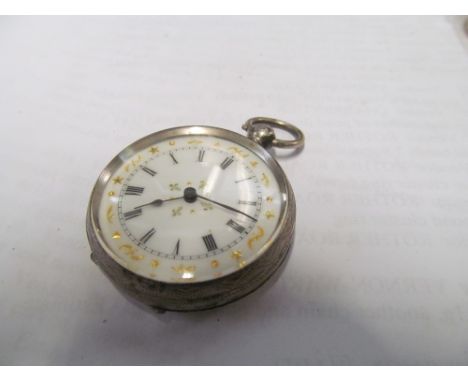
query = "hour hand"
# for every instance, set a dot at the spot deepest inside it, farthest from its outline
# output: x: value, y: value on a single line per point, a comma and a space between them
x: 158, y: 202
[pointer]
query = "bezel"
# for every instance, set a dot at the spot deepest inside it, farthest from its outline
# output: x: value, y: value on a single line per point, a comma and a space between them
x: 276, y: 246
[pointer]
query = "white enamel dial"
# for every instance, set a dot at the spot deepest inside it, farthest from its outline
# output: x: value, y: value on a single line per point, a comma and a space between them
x: 189, y: 209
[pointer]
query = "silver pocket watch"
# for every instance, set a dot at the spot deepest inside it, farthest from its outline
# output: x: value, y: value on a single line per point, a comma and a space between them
x: 194, y: 217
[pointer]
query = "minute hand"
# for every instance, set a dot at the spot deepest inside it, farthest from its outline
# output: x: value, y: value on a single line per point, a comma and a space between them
x: 228, y: 207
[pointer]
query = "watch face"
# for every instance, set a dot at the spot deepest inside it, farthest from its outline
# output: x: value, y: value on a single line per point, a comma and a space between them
x: 191, y: 207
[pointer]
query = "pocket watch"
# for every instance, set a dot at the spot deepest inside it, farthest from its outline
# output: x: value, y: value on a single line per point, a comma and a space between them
x: 194, y: 217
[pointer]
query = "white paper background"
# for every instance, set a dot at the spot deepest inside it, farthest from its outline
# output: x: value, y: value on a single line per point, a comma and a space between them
x: 379, y: 270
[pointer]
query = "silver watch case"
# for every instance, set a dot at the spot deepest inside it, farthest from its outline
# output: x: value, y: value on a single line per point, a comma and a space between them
x: 194, y: 295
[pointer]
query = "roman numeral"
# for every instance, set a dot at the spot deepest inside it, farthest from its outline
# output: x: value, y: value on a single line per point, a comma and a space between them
x: 148, y: 171
x: 226, y: 162
x: 236, y: 226
x: 147, y: 235
x: 210, y: 242
x: 173, y: 157
x: 201, y: 154
x: 133, y: 190
x: 132, y: 214
x: 248, y: 203
x: 176, y: 248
